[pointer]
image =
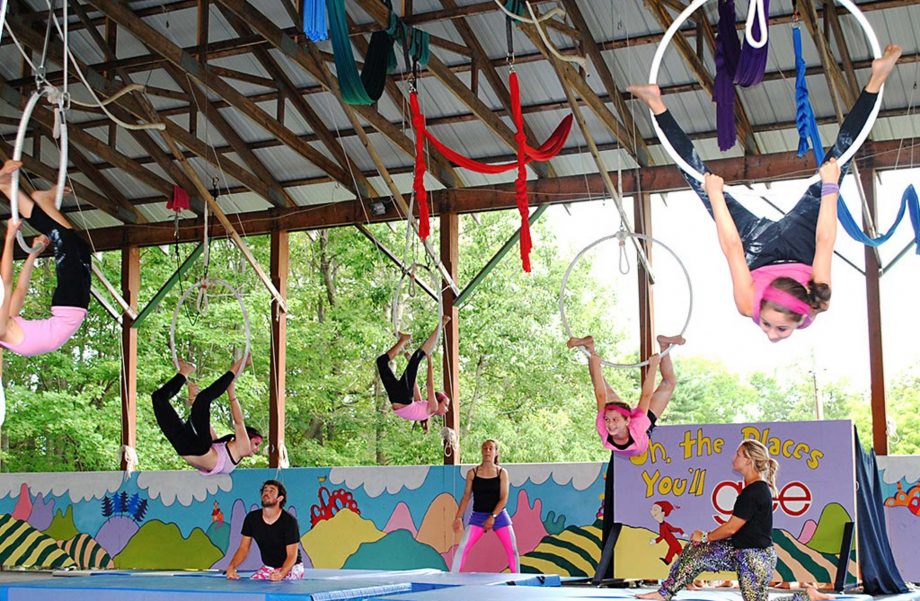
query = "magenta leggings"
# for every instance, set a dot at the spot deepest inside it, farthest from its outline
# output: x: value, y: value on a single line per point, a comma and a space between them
x: 472, y: 536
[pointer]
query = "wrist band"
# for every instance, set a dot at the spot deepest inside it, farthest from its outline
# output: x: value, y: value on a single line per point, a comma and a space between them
x: 829, y: 188
x: 704, y: 538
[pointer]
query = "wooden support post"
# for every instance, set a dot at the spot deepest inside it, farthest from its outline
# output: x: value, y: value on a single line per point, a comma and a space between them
x: 130, y: 287
x: 280, y: 253
x: 642, y: 217
x: 450, y: 254
x: 874, y: 319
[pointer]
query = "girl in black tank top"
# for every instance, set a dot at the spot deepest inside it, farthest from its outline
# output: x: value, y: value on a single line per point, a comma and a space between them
x: 487, y: 484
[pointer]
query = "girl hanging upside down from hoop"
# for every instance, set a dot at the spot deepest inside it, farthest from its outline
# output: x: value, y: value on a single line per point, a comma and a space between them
x: 621, y: 428
x: 195, y: 439
x: 780, y: 270
x: 404, y: 393
x: 69, y: 303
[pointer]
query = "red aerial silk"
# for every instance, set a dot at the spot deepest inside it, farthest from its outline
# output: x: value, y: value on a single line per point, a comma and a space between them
x: 525, y: 154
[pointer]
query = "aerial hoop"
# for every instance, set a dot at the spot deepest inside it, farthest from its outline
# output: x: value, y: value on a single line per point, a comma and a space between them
x: 621, y: 238
x: 202, y: 286
x: 407, y: 281
x: 54, y: 96
x: 687, y: 12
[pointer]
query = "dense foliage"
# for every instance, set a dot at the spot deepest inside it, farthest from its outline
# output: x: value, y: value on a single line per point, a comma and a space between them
x: 519, y: 383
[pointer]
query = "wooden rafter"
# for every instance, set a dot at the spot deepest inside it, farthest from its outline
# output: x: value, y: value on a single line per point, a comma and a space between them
x: 574, y: 188
x: 836, y: 83
x: 635, y: 144
x: 122, y: 14
x: 263, y: 182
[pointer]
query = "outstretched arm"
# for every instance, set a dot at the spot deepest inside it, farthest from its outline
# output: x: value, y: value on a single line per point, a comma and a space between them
x: 241, y: 442
x: 732, y: 248
x: 648, y: 384
x: 6, y: 274
x: 25, y: 276
x: 826, y: 230
x: 429, y: 388
x: 239, y: 557
x: 464, y: 501
x: 603, y: 393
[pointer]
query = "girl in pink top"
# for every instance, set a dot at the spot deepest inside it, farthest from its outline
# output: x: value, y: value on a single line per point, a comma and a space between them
x: 404, y: 394
x: 31, y: 337
x: 623, y: 429
x: 194, y: 439
x: 780, y: 270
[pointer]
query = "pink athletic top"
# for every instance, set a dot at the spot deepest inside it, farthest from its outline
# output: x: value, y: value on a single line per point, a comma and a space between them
x: 224, y: 463
x: 40, y: 336
x: 639, y: 423
x: 764, y: 276
x: 414, y: 412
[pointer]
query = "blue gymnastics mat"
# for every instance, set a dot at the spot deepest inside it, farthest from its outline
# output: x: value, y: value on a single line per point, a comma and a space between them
x: 318, y: 585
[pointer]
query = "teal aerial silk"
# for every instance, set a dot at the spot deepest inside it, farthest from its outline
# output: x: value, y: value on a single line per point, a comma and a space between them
x: 367, y: 87
x: 808, y: 131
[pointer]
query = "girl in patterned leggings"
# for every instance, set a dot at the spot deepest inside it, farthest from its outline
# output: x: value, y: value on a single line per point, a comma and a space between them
x: 743, y: 544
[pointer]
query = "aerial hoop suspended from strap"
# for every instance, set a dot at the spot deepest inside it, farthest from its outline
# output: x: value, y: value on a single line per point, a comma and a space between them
x: 407, y: 284
x: 675, y: 26
x: 621, y: 237
x: 202, y: 287
x: 59, y: 100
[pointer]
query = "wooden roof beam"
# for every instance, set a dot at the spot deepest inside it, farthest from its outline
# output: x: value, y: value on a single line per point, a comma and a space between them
x: 575, y: 188
x: 840, y: 94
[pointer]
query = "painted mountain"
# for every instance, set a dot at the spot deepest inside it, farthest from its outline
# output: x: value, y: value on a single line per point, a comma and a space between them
x: 573, y: 552
x: 23, y: 545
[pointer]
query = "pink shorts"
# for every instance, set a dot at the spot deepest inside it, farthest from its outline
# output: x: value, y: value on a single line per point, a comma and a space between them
x: 265, y: 572
x: 415, y: 412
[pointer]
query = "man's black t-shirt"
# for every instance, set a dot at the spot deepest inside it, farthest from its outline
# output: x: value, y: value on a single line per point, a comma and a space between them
x: 755, y: 505
x: 272, y: 539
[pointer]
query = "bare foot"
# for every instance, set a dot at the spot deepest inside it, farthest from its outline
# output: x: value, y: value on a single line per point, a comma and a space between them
x: 653, y: 595
x: 882, y: 67
x: 650, y: 95
x: 185, y: 367
x: 49, y: 195
x: 587, y: 342
x: 445, y: 319
x: 816, y: 595
x: 666, y: 341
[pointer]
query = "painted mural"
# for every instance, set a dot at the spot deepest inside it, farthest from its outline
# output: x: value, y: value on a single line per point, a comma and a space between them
x: 401, y: 517
x: 900, y: 477
x: 684, y: 482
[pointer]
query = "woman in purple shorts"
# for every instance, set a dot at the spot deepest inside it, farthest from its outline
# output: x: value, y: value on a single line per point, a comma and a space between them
x: 487, y: 483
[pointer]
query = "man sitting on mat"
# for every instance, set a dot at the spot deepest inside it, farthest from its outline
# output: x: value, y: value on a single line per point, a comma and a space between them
x: 276, y: 533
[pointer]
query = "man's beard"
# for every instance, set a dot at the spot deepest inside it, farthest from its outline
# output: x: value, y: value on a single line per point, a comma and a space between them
x: 267, y: 504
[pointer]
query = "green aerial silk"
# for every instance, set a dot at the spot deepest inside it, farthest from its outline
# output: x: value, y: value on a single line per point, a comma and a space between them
x: 367, y: 87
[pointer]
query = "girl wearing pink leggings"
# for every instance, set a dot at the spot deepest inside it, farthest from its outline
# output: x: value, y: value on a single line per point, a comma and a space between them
x: 487, y: 483
x: 29, y: 337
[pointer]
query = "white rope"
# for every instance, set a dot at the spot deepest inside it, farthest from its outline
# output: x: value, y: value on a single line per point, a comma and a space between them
x: 396, y: 303
x: 450, y: 440
x: 580, y: 60
x: 128, y: 454
x: 756, y: 11
x: 533, y: 20
x: 621, y: 238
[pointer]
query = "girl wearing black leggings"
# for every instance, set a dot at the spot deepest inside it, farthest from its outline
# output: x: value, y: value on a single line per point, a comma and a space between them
x: 195, y: 439
x: 780, y: 270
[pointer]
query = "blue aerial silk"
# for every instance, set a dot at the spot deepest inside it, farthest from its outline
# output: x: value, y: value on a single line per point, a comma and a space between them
x: 314, y: 20
x: 808, y: 130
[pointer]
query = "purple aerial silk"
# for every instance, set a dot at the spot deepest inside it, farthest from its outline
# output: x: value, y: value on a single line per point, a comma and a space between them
x: 728, y: 50
x: 753, y: 62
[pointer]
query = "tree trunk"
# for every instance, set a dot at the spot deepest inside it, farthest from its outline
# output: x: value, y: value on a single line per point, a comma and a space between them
x: 471, y: 403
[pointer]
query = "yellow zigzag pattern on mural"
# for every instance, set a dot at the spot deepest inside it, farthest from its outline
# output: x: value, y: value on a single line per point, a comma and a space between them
x: 23, y: 545
x: 573, y: 552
